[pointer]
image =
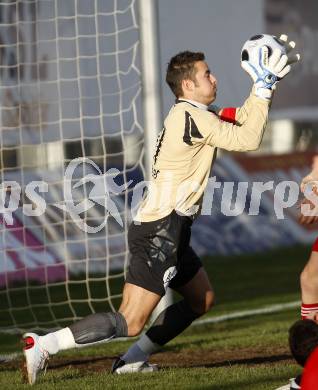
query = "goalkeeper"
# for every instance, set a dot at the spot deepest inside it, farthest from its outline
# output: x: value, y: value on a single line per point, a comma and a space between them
x: 159, y: 238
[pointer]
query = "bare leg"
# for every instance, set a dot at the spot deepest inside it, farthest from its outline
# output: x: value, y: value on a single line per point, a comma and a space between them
x: 135, y: 309
x: 198, y: 299
x: 198, y: 292
x: 309, y: 280
x: 137, y: 306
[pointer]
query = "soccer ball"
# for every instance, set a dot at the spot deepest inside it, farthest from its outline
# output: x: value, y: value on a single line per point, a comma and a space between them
x: 251, y: 48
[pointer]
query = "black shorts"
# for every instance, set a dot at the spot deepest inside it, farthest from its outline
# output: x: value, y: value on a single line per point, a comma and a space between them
x: 161, y: 254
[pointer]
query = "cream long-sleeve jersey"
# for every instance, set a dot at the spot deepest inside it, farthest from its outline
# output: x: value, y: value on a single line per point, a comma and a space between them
x: 186, y: 148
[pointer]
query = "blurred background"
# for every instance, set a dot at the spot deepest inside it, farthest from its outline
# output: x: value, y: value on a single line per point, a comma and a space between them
x: 75, y: 83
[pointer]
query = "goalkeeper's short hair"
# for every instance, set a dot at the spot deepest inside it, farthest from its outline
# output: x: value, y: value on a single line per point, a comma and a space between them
x: 303, y: 339
x: 181, y: 67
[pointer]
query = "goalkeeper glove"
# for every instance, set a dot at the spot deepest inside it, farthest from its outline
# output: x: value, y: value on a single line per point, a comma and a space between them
x: 272, y: 69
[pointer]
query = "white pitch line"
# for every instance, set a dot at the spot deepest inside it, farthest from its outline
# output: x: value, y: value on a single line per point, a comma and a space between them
x: 210, y: 320
x: 9, y: 357
x: 247, y: 313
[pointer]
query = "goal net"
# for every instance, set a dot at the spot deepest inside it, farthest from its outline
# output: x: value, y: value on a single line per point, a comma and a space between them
x: 71, y: 148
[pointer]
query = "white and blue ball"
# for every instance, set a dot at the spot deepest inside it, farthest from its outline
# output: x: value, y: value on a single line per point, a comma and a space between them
x: 251, y: 49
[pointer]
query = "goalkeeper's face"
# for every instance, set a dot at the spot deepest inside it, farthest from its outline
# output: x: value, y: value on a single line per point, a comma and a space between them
x: 205, y: 85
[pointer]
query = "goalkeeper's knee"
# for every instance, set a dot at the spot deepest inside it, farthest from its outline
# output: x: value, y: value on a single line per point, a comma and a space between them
x: 203, y: 304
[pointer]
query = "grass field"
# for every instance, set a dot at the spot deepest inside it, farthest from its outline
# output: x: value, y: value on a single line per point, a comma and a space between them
x: 246, y: 353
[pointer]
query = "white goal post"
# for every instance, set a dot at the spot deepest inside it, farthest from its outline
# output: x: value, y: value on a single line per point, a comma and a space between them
x: 152, y: 96
x: 71, y: 88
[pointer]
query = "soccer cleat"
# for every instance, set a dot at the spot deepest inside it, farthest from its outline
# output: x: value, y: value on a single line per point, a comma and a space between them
x: 35, y: 356
x: 120, y: 367
x: 285, y: 387
x: 294, y: 384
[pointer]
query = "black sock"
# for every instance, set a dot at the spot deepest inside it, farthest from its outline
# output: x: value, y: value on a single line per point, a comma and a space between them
x: 171, y: 322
